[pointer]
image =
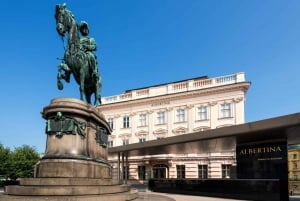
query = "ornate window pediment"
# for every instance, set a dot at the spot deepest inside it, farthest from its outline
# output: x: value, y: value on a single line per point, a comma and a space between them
x: 141, y: 133
x: 201, y: 128
x: 160, y: 133
x: 125, y: 135
x: 179, y: 130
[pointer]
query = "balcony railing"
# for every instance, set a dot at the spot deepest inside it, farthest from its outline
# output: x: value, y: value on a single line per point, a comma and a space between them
x: 187, y: 85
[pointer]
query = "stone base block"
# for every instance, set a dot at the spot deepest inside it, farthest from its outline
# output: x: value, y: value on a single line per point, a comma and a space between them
x: 69, y: 189
x: 125, y: 196
x: 72, y: 168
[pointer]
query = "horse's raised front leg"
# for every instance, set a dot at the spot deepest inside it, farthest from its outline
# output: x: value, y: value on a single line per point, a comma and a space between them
x: 67, y: 71
x: 60, y: 75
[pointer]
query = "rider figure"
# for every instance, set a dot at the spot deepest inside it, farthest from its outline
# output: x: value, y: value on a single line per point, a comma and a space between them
x: 88, y: 45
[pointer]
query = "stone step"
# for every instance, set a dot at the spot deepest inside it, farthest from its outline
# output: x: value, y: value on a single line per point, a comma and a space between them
x: 65, y: 190
x: 125, y: 196
x: 68, y: 181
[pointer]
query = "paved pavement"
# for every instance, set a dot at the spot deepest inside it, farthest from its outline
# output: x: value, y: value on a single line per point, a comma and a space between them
x: 153, y: 196
x: 146, y: 195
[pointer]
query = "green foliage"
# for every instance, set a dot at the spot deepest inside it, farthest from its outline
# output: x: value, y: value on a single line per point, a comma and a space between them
x: 18, y: 163
x: 4, y: 158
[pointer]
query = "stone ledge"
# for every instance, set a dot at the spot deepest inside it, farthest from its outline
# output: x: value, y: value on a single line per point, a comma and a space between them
x: 68, y: 181
x: 125, y: 196
x: 65, y: 190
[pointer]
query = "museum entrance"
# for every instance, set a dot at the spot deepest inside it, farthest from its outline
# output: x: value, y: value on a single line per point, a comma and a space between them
x: 160, y: 171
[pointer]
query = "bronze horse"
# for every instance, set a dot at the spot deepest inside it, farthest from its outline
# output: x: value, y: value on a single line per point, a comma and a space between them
x: 75, y: 60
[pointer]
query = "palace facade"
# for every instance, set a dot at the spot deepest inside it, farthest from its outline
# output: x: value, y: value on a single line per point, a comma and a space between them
x: 294, y: 168
x: 173, y: 109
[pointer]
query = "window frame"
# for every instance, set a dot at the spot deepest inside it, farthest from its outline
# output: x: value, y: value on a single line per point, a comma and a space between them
x: 180, y: 115
x: 180, y: 171
x: 126, y: 121
x: 226, y: 110
x: 110, y: 122
x: 226, y: 170
x: 161, y: 117
x: 142, y: 119
x: 202, y: 171
x: 200, y: 113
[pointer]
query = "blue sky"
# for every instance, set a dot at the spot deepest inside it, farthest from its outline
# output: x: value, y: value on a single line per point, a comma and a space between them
x: 148, y: 42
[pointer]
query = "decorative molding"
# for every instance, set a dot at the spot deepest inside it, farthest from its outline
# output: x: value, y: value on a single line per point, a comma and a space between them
x: 180, y: 130
x: 132, y: 114
x: 237, y: 100
x: 125, y: 135
x: 201, y: 128
x: 169, y: 109
x: 190, y: 106
x: 212, y: 103
x: 160, y: 131
x: 150, y: 111
x: 141, y: 133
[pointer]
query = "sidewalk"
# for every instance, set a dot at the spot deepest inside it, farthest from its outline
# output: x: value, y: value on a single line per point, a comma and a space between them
x: 147, y: 195
x: 178, y: 197
x: 151, y: 196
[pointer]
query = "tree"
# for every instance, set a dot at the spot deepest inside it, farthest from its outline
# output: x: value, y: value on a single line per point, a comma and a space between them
x: 22, y: 161
x: 4, y: 161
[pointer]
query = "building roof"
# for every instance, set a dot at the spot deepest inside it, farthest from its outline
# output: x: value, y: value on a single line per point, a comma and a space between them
x: 220, y: 139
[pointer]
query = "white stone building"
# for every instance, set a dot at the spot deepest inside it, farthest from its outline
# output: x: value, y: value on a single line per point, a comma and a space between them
x: 171, y: 109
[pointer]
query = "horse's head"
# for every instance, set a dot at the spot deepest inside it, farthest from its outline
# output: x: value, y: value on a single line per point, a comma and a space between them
x: 63, y: 19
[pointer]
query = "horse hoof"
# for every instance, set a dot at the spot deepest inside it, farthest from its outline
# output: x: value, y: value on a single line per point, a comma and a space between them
x: 60, y: 85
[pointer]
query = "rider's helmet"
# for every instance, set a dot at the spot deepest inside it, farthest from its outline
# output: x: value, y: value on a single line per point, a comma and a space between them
x: 83, y: 25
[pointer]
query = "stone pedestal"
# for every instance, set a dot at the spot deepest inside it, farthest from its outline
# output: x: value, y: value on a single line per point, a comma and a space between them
x: 75, y: 165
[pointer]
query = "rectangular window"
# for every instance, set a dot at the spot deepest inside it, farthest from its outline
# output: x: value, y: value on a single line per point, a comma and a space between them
x: 226, y: 110
x: 202, y: 113
x: 294, y: 156
x: 161, y: 118
x: 110, y: 143
x: 180, y: 115
x: 111, y: 122
x: 202, y: 172
x: 125, y: 141
x: 226, y: 171
x: 126, y: 122
x: 295, y: 165
x: 295, y: 177
x: 180, y: 171
x: 142, y: 139
x: 142, y: 172
x: 142, y: 120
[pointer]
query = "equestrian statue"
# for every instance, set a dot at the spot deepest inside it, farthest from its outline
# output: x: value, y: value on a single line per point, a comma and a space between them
x: 79, y: 58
